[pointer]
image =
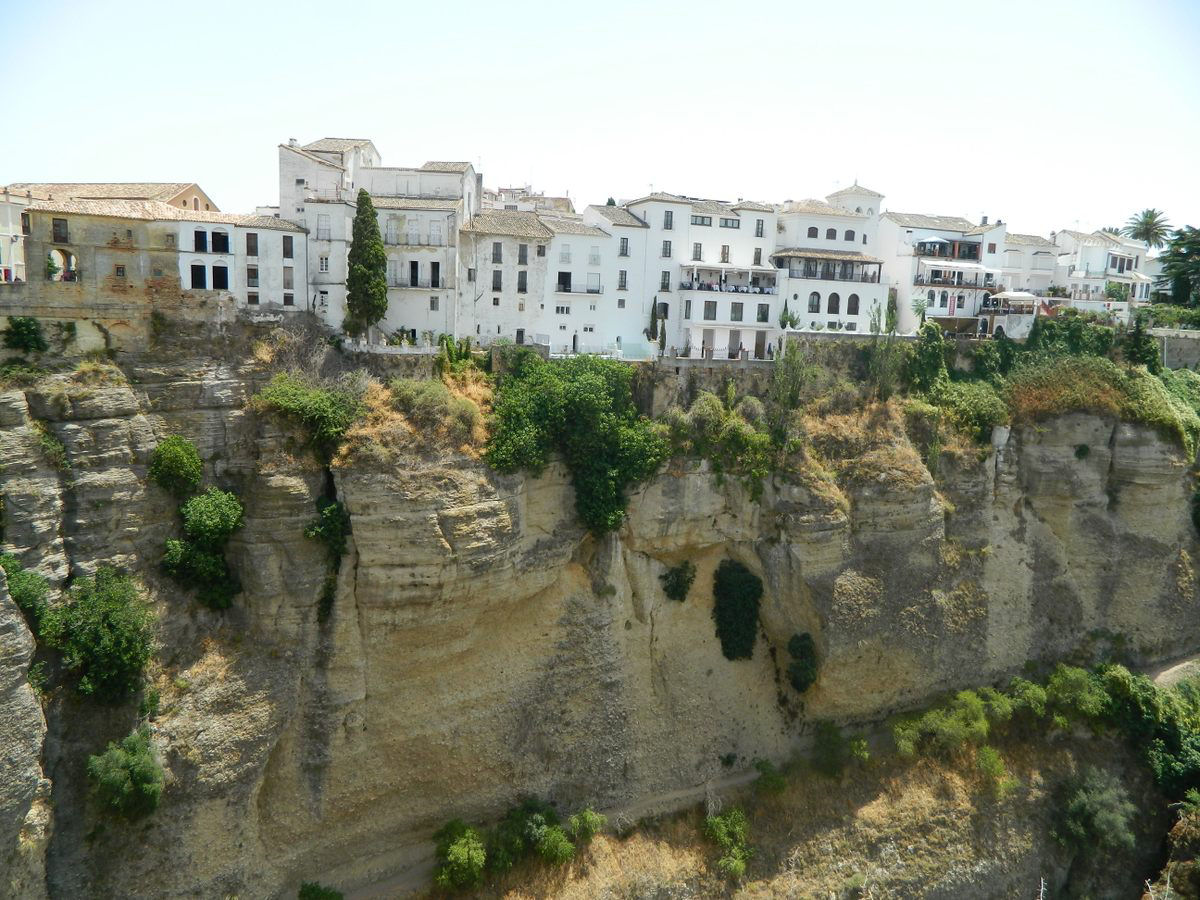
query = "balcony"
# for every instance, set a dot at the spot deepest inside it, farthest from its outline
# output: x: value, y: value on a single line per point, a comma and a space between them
x: 420, y: 283
x: 415, y: 240
x: 822, y: 275
x: 950, y: 281
x: 563, y: 288
x: 726, y: 288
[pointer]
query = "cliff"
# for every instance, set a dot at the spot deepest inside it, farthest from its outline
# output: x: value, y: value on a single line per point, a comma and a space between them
x: 482, y: 645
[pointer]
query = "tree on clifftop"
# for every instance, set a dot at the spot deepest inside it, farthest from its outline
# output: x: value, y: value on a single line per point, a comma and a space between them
x: 366, y: 282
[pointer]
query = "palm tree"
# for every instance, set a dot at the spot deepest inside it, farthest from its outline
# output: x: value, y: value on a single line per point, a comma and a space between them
x: 1150, y: 225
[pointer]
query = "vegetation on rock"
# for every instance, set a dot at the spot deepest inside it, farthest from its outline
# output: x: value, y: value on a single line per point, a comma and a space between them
x: 126, y: 779
x: 326, y: 411
x: 28, y: 589
x: 331, y: 527
x: 175, y: 465
x: 198, y: 561
x: 731, y: 832
x: 736, y: 595
x: 366, y: 269
x: 24, y: 333
x: 677, y: 580
x: 460, y: 854
x: 802, y: 670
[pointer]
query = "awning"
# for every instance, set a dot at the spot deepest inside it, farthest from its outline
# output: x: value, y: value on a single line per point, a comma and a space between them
x: 932, y: 240
x: 1138, y: 276
x: 1015, y: 295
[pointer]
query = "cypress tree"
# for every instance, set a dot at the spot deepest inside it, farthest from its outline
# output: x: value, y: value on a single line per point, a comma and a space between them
x: 652, y: 331
x: 366, y: 281
x: 785, y: 318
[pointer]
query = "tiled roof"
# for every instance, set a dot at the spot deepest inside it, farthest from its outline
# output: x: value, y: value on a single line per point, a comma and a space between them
x: 1031, y: 240
x: 571, y: 226
x: 299, y: 151
x: 123, y: 190
x: 984, y: 229
x: 335, y: 145
x: 754, y: 205
x: 157, y: 211
x: 392, y: 201
x: 856, y: 188
x: 806, y: 253
x: 619, y: 215
x: 818, y: 207
x: 441, y: 166
x: 920, y: 220
x: 1095, y: 239
x: 661, y: 197
x: 712, y: 207
x: 516, y: 224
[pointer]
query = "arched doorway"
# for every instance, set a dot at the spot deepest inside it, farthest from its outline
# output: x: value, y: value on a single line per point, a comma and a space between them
x: 61, y: 265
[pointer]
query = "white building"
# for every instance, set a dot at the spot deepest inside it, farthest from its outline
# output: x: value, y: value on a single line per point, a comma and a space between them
x: 1028, y: 263
x: 14, y: 225
x: 526, y: 199
x: 1088, y: 263
x: 260, y: 260
x: 830, y: 275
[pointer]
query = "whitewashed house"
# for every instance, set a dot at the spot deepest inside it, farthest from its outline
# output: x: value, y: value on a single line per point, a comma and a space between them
x: 625, y: 306
x: 503, y: 269
x: 1087, y: 263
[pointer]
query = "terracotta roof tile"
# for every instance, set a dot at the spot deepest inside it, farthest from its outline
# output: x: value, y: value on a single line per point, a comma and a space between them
x: 508, y: 222
x: 619, y: 215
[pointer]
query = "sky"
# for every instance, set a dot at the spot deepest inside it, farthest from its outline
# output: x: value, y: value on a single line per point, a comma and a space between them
x: 1049, y: 114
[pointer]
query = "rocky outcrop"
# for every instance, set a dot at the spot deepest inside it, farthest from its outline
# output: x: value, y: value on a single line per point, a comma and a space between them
x: 482, y: 645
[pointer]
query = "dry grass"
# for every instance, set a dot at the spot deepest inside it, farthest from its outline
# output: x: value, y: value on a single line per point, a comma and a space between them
x: 867, y: 445
x: 96, y: 370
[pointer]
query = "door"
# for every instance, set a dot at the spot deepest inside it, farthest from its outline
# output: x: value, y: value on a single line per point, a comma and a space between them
x: 435, y: 274
x: 414, y: 271
x: 735, y: 343
x: 760, y: 345
x: 520, y: 336
x: 575, y: 342
x: 706, y: 342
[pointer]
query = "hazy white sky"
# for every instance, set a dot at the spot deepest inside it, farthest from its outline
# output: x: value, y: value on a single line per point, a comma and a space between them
x: 1047, y: 114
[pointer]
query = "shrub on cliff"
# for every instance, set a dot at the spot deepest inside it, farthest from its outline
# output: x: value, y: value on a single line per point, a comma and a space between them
x: 24, y: 333
x: 1095, y: 813
x: 104, y: 632
x: 731, y: 832
x: 586, y: 824
x: 126, y: 779
x: 175, y: 465
x: 736, y: 595
x: 198, y: 561
x: 460, y: 854
x: 802, y: 670
x: 582, y: 408
x: 430, y: 406
x: 974, y: 406
x: 211, y: 518
x: 715, y: 429
x: 331, y: 528
x: 925, y: 367
x: 326, y: 411
x: 677, y: 580
x: 28, y: 590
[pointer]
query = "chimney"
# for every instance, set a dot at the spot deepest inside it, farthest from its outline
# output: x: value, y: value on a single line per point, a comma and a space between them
x: 984, y: 222
x: 292, y: 142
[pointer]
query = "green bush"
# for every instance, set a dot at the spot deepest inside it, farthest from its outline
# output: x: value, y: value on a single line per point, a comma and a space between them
x: 712, y: 429
x: 28, y: 590
x: 520, y: 833
x: 990, y: 763
x: 677, y: 580
x: 175, y: 465
x: 926, y: 364
x: 802, y: 670
x: 585, y: 825
x: 331, y: 528
x: 325, y: 411
x: 830, y: 749
x: 51, y: 445
x: 424, y: 402
x: 104, y: 632
x: 961, y: 721
x: 461, y: 856
x: 126, y: 779
x: 736, y: 595
x: 211, y: 518
x: 582, y: 408
x: 1095, y: 813
x: 553, y: 845
x: 24, y: 333
x: 1029, y: 698
x: 1074, y: 695
x: 770, y: 780
x: 204, y: 570
x: 310, y: 890
x: 974, y: 406
x: 731, y: 832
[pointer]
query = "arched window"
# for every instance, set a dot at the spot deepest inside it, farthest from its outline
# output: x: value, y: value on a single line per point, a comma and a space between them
x: 852, y: 305
x: 932, y: 297
x: 812, y: 232
x: 195, y: 203
x: 849, y: 234
x: 847, y: 271
x: 864, y: 237
x: 814, y: 302
x: 831, y: 234
x: 858, y: 209
x: 945, y: 299
x: 834, y: 305
x: 870, y: 211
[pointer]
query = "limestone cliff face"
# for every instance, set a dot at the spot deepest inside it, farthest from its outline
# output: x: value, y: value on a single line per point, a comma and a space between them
x: 482, y: 646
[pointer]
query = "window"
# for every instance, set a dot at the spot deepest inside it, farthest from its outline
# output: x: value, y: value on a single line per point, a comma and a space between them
x: 251, y: 244
x: 495, y: 301
x: 701, y: 220
x: 663, y: 309
x: 812, y: 231
x: 687, y: 308
x: 252, y: 298
x: 322, y: 263
x: 735, y: 311
x: 852, y: 305
x: 666, y: 249
x: 764, y: 312
x: 562, y: 310
x: 624, y: 251
x: 497, y: 252
x: 945, y: 299
x: 814, y: 302
x: 497, y: 280
x: 758, y: 227
x: 287, y: 246
x: 287, y: 278
x: 710, y: 310
x: 622, y: 281
x: 541, y: 250
x: 731, y: 223
x: 758, y: 256
x: 220, y: 242
x: 324, y: 231
x: 119, y: 271
x: 157, y: 272
x: 932, y: 298
x: 697, y: 252
x: 470, y: 274
x: 220, y: 278
x: 620, y: 303
x: 593, y: 282
x: 724, y: 253
x: 199, y: 279
x: 300, y: 182
x: 522, y: 282
x: 668, y: 220
x: 289, y: 300
x: 26, y: 226
x: 200, y: 241
x: 510, y: 206
x: 849, y: 235
x: 831, y: 234
x: 433, y: 304
x: 664, y: 282
x: 522, y: 254
x: 593, y: 256
x: 252, y: 275
x: 587, y: 329
x: 991, y: 248
x: 864, y: 238
x: 564, y: 253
